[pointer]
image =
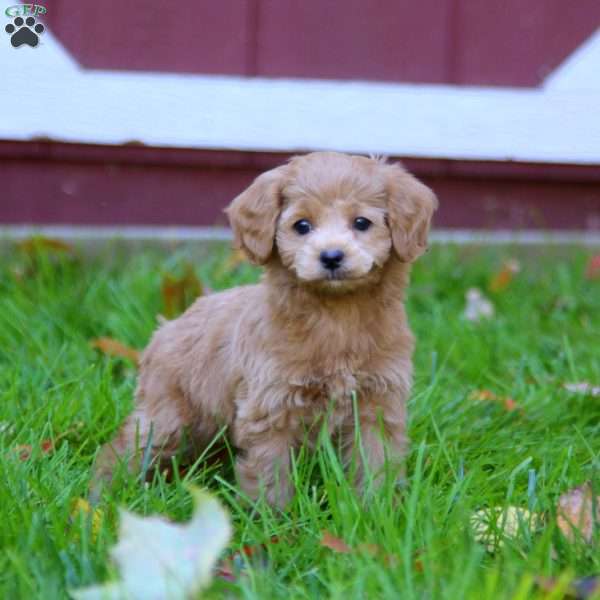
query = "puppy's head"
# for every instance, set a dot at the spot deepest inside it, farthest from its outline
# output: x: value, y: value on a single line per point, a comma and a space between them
x: 333, y: 220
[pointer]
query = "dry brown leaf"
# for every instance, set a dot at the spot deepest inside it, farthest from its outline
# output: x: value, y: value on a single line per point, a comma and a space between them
x: 24, y: 451
x: 336, y: 544
x: 35, y: 244
x: 575, y: 513
x: 504, y: 276
x: 179, y: 292
x: 112, y: 347
x: 592, y: 270
x: 488, y: 396
x: 328, y: 540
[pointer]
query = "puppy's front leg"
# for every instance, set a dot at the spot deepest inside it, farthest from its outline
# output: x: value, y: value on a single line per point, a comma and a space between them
x: 383, y: 440
x: 265, y: 466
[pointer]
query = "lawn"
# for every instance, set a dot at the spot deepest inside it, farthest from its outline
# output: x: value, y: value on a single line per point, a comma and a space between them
x: 60, y: 399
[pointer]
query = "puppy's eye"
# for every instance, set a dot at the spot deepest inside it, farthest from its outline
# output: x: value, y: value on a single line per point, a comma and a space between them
x: 302, y: 226
x: 362, y: 223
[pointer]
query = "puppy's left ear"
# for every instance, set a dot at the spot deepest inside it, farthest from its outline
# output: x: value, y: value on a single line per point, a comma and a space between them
x: 253, y: 215
x: 411, y: 205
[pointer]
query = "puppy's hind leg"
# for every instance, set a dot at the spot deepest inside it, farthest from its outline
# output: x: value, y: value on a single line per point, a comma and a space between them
x: 152, y: 433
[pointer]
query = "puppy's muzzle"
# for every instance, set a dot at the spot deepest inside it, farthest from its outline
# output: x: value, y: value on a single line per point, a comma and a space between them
x: 331, y: 259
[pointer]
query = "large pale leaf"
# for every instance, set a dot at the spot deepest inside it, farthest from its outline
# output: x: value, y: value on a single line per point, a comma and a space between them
x: 160, y: 560
x: 492, y: 526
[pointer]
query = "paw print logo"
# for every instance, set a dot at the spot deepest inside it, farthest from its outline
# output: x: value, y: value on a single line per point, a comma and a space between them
x: 24, y: 32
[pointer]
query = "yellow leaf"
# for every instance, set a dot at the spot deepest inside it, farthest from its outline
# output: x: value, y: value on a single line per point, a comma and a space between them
x: 79, y: 506
x: 491, y: 526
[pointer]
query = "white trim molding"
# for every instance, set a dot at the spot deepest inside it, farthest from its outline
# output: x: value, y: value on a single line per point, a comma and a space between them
x: 47, y: 95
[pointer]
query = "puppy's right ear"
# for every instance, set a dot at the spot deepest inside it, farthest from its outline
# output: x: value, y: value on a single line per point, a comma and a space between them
x: 253, y: 215
x: 411, y: 205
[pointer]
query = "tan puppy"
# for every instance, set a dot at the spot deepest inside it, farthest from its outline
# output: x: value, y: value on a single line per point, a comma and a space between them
x: 275, y: 361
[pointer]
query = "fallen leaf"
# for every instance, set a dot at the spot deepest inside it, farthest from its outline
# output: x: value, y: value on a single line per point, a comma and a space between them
x: 575, y: 513
x: 39, y: 243
x: 487, y: 395
x: 112, y: 347
x: 82, y: 506
x: 504, y: 276
x: 25, y: 451
x: 583, y: 388
x: 336, y: 544
x: 592, y: 270
x: 158, y: 559
x: 478, y: 307
x: 418, y: 565
x: 179, y: 292
x: 491, y: 526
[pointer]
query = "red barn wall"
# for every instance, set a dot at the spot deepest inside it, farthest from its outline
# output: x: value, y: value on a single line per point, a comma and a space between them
x: 462, y: 42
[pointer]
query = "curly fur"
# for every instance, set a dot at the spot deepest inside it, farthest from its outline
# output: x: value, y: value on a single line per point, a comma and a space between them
x: 274, y: 362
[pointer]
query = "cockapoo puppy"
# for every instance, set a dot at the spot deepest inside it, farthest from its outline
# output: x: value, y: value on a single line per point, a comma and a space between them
x: 277, y: 361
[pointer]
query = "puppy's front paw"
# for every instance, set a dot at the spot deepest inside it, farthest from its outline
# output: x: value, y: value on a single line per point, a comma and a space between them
x: 263, y: 470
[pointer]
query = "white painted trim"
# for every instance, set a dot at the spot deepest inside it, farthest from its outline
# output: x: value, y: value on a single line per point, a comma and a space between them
x: 161, y: 236
x: 134, y: 233
x: 580, y: 71
x: 51, y: 97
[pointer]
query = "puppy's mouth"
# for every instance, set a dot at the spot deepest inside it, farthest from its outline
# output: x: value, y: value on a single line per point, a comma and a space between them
x: 340, y: 280
x: 338, y: 275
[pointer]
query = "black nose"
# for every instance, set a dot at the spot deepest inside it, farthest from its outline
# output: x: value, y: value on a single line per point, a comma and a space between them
x: 331, y: 259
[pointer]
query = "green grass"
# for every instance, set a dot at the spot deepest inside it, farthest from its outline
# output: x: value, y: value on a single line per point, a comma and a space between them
x: 465, y: 454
